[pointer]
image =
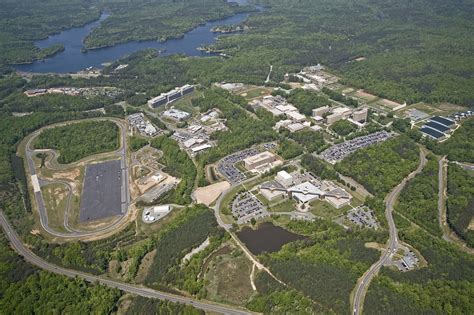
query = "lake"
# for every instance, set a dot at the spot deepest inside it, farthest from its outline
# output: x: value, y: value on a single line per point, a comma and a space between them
x: 72, y: 59
x: 267, y: 238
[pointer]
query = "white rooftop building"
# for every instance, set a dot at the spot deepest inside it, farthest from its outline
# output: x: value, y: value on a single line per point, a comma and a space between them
x: 295, y: 116
x: 295, y: 127
x: 305, y: 192
x: 284, y: 178
x: 176, y: 114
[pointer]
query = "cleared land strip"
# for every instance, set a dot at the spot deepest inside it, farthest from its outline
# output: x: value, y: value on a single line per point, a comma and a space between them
x: 392, y: 244
x: 30, y: 257
x: 448, y: 234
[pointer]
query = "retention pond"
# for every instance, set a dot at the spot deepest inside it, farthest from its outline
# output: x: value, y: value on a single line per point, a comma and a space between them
x: 267, y: 238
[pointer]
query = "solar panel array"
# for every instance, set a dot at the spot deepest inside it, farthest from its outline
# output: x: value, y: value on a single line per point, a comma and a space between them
x: 431, y: 132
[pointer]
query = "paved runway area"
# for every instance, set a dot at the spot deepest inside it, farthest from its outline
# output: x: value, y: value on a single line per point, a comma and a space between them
x: 101, y: 197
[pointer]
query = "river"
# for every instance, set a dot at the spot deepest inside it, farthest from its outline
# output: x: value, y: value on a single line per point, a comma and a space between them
x: 72, y: 59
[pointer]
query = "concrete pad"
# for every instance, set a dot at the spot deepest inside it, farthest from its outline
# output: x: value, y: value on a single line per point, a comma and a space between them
x: 207, y: 195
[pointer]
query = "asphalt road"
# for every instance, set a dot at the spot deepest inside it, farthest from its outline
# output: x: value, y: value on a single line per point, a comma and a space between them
x: 122, y: 151
x: 363, y: 284
x: 30, y: 257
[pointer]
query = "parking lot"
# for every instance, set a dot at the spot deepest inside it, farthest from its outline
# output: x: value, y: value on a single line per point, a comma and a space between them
x: 227, y: 167
x: 101, y: 197
x: 246, y: 206
x: 363, y: 217
x: 340, y: 151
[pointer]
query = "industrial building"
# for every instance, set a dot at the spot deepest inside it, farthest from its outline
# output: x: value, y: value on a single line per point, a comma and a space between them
x: 338, y: 113
x: 417, y: 115
x: 295, y: 116
x: 295, y: 127
x: 176, y: 114
x: 304, y: 188
x: 360, y: 115
x: 138, y: 122
x: 437, y: 128
x: 305, y: 192
x: 261, y: 162
x: 320, y: 111
x: 153, y: 214
x: 284, y: 178
x: 171, y: 96
x: 448, y: 122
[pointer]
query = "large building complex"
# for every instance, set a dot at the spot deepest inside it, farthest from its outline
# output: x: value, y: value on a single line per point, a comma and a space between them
x: 261, y: 162
x: 304, y: 189
x: 171, y: 96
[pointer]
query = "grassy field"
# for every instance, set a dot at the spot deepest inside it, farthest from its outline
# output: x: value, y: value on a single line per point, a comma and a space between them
x: 255, y: 92
x: 55, y: 198
x: 284, y: 206
x: 229, y: 278
x: 324, y: 209
x: 185, y: 103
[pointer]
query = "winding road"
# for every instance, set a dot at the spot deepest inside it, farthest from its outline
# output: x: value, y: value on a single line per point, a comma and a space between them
x: 392, y: 245
x: 37, y: 182
x: 30, y: 257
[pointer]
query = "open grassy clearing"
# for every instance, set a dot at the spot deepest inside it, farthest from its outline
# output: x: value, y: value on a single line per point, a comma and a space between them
x: 324, y: 209
x: 185, y: 103
x: 229, y: 278
x: 55, y: 198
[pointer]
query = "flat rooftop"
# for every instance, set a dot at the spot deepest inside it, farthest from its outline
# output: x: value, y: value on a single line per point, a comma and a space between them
x: 432, y: 133
x: 101, y: 195
x: 437, y: 126
x: 259, y: 157
x: 442, y: 120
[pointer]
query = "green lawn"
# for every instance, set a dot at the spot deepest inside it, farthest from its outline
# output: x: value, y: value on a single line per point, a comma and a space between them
x: 285, y: 206
x: 324, y: 209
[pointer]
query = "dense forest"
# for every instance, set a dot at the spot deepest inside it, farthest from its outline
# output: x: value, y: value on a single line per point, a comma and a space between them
x: 400, y: 57
x: 177, y: 164
x: 144, y: 306
x: 27, y: 290
x: 318, y: 167
x: 343, y: 127
x: 311, y: 140
x: 418, y: 201
x: 460, y: 204
x: 444, y: 286
x: 306, y: 100
x: 406, y: 50
x: 459, y: 147
x: 383, y: 166
x: 78, y: 140
x: 326, y: 267
x: 289, y: 149
x: 187, y: 232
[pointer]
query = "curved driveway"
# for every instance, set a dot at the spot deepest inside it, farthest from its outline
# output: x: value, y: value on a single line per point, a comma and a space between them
x: 122, y: 152
x: 363, y: 283
x: 30, y: 257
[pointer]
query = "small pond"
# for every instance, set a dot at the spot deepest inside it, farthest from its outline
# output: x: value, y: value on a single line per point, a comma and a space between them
x: 267, y: 238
